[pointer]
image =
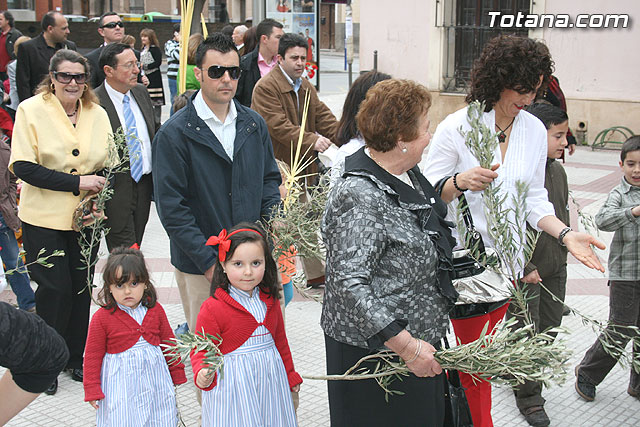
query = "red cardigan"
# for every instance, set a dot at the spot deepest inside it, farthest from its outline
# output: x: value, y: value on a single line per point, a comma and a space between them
x: 115, y: 332
x: 225, y: 317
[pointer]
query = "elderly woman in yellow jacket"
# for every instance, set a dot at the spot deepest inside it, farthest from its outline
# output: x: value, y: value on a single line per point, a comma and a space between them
x: 60, y: 144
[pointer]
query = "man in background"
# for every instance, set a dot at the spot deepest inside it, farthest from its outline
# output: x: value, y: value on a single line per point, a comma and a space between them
x: 263, y: 59
x: 34, y: 55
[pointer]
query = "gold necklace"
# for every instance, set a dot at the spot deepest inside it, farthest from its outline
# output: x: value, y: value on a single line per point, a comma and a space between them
x: 378, y: 163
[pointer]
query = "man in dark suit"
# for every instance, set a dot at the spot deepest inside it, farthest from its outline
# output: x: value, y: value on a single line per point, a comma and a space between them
x: 129, y: 106
x: 34, y: 55
x: 111, y: 28
x: 258, y: 63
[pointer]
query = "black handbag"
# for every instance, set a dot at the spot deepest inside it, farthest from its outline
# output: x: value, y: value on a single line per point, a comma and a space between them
x: 457, y: 412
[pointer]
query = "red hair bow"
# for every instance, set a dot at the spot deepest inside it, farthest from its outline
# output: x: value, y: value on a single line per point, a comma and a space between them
x: 223, y: 242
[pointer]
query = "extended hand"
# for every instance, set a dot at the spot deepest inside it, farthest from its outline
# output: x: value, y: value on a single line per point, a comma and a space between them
x: 478, y: 178
x: 322, y: 144
x: 533, y: 277
x: 579, y: 244
x: 94, y: 403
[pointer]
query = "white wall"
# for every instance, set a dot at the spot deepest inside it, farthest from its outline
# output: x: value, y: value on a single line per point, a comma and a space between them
x: 596, y: 63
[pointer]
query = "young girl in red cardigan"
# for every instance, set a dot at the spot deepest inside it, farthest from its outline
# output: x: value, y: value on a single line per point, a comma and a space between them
x: 258, y: 372
x: 126, y: 376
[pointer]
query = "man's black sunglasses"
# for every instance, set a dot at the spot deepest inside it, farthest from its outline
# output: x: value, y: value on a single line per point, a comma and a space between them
x: 66, y: 78
x: 112, y: 25
x: 217, y: 71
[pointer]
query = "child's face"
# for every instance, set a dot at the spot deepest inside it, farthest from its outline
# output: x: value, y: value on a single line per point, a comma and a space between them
x: 245, y: 269
x: 557, y: 140
x: 631, y: 168
x: 128, y: 294
x: 283, y: 187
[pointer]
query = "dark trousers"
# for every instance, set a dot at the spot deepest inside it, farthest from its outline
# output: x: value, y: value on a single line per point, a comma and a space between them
x: 128, y: 210
x: 362, y: 402
x: 62, y: 298
x: 545, y: 313
x: 624, y: 311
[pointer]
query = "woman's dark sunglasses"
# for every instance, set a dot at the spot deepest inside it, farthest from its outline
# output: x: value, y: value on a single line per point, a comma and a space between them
x: 217, y: 71
x: 112, y: 25
x: 65, y: 78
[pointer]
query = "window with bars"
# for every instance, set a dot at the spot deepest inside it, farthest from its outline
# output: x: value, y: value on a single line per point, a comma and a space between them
x: 20, y: 4
x: 466, y: 30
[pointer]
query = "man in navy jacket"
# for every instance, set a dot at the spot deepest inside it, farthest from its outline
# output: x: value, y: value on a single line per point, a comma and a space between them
x: 213, y: 167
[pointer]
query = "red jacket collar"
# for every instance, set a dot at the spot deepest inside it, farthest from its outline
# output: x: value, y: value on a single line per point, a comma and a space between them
x: 223, y: 295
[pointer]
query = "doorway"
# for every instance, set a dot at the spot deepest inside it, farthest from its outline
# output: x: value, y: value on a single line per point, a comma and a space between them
x: 327, y: 26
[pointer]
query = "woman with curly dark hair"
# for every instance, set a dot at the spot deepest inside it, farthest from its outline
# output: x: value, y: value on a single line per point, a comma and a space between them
x: 506, y: 77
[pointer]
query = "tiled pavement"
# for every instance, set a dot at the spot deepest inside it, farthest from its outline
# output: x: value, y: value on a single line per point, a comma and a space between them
x: 591, y: 176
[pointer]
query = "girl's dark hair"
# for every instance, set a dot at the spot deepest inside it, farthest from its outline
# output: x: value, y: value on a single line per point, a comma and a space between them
x: 347, y: 126
x: 509, y: 62
x: 122, y: 265
x: 631, y: 144
x: 250, y: 40
x: 269, y: 282
x: 548, y: 114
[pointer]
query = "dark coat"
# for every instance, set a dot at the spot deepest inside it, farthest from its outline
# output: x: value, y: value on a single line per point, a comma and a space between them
x: 12, y: 36
x: 97, y: 74
x: 8, y: 188
x: 249, y: 77
x: 199, y: 190
x: 123, y: 185
x: 33, y: 64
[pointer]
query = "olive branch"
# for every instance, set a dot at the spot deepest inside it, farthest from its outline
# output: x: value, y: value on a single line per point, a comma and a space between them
x: 90, y: 235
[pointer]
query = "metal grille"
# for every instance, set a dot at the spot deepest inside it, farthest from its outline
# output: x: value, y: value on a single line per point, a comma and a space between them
x: 466, y: 30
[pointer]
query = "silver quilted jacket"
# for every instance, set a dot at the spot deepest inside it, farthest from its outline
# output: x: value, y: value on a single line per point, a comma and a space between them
x: 388, y: 257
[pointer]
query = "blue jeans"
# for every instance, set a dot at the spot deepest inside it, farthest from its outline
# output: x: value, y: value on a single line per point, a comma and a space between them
x: 20, y: 283
x: 173, y: 90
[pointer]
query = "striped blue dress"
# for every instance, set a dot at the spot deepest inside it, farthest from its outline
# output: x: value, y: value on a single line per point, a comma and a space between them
x: 137, y: 385
x: 253, y: 390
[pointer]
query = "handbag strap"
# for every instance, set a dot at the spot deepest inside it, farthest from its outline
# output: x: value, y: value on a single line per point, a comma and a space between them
x: 468, y: 222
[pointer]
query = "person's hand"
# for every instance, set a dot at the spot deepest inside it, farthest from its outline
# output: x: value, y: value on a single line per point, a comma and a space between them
x: 145, y: 80
x: 579, y: 244
x: 533, y: 277
x: 425, y: 365
x: 93, y: 183
x: 322, y: 144
x: 205, y: 377
x: 94, y: 215
x: 571, y: 148
x: 295, y: 388
x: 636, y: 211
x: 94, y: 403
x: 6, y: 98
x: 209, y: 274
x: 478, y: 178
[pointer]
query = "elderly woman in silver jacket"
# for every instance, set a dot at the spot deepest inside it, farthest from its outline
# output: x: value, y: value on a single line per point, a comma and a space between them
x: 388, y: 269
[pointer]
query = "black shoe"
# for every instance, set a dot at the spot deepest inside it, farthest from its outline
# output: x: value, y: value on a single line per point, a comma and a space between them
x: 77, y: 374
x: 536, y: 416
x: 566, y: 311
x: 52, y: 388
x: 585, y: 389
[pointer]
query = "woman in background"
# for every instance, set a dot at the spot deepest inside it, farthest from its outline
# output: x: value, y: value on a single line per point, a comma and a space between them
x: 150, y: 59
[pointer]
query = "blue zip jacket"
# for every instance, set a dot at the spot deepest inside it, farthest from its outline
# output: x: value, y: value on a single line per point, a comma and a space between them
x: 199, y: 190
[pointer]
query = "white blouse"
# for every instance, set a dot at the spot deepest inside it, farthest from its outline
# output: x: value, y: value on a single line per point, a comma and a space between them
x: 524, y: 161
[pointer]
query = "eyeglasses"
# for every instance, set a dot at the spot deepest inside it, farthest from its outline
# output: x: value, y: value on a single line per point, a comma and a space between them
x: 112, y: 25
x: 217, y: 71
x: 130, y: 65
x: 66, y: 78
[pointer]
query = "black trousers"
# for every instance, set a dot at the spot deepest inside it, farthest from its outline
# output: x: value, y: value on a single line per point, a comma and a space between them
x: 62, y: 297
x: 128, y: 210
x: 362, y: 402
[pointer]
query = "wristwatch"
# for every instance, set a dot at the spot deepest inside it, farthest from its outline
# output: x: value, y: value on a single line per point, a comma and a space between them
x: 563, y: 233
